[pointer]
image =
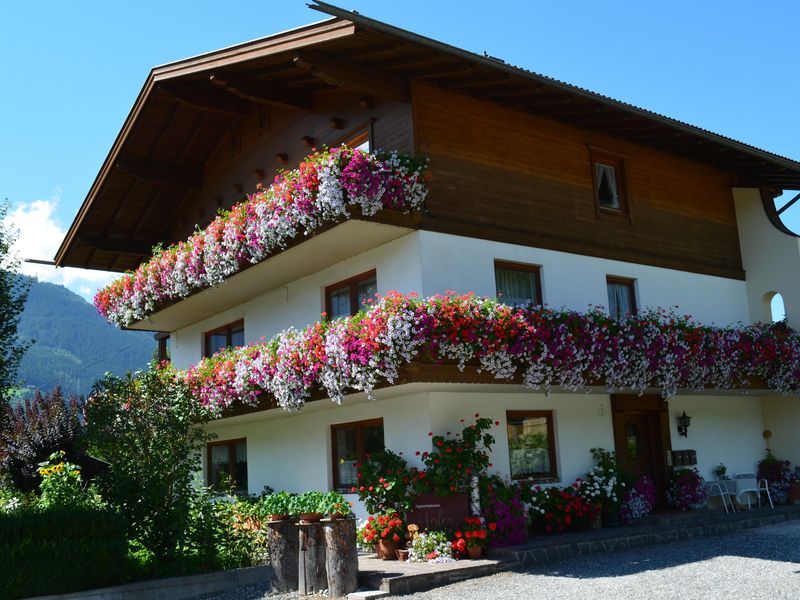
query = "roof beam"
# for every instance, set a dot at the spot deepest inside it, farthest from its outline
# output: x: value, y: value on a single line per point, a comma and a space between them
x: 262, y: 92
x: 342, y: 74
x: 164, y: 174
x: 120, y: 245
x: 205, y: 99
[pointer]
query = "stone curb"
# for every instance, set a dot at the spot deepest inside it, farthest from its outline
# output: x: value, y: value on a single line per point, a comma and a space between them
x: 172, y: 588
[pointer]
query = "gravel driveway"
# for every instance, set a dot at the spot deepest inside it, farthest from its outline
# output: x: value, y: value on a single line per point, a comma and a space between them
x: 754, y: 564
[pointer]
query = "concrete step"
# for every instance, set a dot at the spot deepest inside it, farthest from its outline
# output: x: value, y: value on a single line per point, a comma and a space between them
x: 367, y: 595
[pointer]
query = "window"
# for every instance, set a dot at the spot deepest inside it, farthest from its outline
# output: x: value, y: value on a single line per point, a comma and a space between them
x: 162, y: 338
x: 359, y: 141
x: 227, y: 461
x: 517, y: 283
x: 227, y: 336
x: 621, y: 297
x: 531, y: 444
x: 346, y: 298
x: 608, y: 174
x: 352, y: 442
x: 359, y: 138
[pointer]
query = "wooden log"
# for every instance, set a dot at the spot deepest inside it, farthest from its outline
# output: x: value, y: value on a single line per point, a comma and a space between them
x: 282, y: 541
x: 312, y: 575
x: 342, y: 557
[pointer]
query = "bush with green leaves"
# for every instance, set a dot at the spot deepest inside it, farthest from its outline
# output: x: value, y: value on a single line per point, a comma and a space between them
x: 335, y: 504
x: 386, y: 483
x: 310, y: 502
x: 33, y: 430
x: 61, y: 550
x: 149, y: 428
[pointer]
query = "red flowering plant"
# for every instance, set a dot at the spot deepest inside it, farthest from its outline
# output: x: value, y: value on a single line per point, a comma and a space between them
x: 387, y: 526
x: 455, y: 459
x: 474, y: 532
x: 556, y: 510
x: 386, y: 483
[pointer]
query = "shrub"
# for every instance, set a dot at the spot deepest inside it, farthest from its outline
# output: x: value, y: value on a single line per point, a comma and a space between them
x: 60, y: 551
x: 61, y: 485
x: 147, y: 427
x: 603, y: 484
x: 36, y: 428
x: 687, y: 490
x: 454, y: 460
x: 555, y: 510
x: 779, y: 476
x: 502, y: 504
x: 386, y: 483
x: 335, y: 504
x: 310, y: 502
x: 640, y: 500
x: 277, y: 503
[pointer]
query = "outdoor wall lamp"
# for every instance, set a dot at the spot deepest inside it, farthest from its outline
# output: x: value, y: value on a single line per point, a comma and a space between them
x: 683, y: 424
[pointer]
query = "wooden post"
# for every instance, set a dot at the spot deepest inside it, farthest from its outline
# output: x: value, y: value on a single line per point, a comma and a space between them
x: 312, y: 576
x: 282, y: 540
x: 342, y: 557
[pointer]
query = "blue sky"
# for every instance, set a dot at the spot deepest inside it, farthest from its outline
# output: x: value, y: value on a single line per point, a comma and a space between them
x: 72, y: 72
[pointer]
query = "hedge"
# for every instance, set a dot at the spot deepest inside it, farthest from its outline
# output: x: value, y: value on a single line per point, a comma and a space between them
x: 62, y: 551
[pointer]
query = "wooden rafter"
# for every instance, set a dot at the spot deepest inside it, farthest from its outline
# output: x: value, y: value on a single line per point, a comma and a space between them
x: 205, y: 99
x: 341, y: 74
x: 185, y: 177
x: 261, y: 91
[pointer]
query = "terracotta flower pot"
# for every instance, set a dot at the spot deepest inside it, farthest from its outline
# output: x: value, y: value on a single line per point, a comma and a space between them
x: 310, y: 517
x: 794, y: 493
x: 386, y: 550
x: 474, y: 551
x: 277, y: 517
x: 401, y: 554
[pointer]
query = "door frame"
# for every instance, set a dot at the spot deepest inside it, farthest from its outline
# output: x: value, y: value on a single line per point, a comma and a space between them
x: 657, y: 411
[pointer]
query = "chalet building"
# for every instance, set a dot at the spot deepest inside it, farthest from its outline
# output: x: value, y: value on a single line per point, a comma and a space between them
x: 537, y: 191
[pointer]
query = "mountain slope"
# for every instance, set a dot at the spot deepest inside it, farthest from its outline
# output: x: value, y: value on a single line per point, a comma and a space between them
x: 74, y: 345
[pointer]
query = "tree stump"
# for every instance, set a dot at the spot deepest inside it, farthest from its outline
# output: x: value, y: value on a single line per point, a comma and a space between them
x: 282, y: 540
x: 312, y: 576
x: 342, y: 558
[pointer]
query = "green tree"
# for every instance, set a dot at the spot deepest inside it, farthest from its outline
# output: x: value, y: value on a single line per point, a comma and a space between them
x: 13, y: 293
x: 149, y: 428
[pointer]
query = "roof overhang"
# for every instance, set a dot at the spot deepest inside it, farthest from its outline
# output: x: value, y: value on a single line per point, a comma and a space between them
x: 185, y: 108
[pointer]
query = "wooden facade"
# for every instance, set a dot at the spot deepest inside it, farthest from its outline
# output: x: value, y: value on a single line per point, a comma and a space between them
x: 503, y: 175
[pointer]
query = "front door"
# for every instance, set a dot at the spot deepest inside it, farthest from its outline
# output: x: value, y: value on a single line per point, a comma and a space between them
x: 642, y: 440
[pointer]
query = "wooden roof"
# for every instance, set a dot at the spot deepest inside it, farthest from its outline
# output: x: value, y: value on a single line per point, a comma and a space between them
x: 185, y: 108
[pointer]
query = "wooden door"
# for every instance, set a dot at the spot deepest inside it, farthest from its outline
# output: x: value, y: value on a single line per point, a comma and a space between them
x: 642, y: 440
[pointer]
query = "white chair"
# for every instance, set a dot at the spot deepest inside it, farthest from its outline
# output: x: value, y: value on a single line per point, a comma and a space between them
x: 747, y: 483
x: 715, y: 488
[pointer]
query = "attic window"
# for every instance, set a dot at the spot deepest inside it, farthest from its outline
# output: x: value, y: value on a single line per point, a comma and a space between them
x: 608, y: 175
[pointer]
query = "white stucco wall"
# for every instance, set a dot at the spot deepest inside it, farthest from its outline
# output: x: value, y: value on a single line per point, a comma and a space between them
x: 292, y: 451
x: 782, y: 418
x: 430, y: 263
x: 770, y: 258
x: 726, y: 429
x: 301, y: 301
x: 575, y: 281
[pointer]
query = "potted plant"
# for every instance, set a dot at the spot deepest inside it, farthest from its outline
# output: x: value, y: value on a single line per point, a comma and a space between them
x: 687, y: 490
x: 474, y: 535
x: 603, y: 485
x: 309, y: 506
x: 386, y: 533
x: 336, y: 506
x: 276, y: 506
x: 779, y: 476
x: 720, y: 472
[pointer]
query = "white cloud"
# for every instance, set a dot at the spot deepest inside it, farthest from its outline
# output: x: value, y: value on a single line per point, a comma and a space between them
x: 39, y: 236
